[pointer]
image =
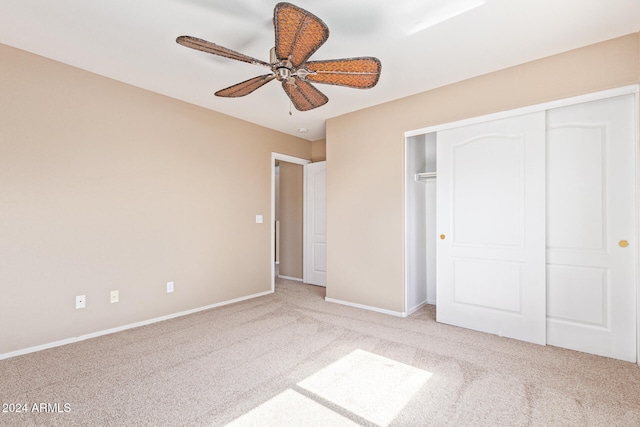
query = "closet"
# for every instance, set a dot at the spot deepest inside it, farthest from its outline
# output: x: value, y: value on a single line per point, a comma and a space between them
x: 525, y: 226
x: 420, y: 209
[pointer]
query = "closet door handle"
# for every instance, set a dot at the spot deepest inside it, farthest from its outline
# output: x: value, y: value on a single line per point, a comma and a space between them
x: 442, y: 237
x: 623, y: 243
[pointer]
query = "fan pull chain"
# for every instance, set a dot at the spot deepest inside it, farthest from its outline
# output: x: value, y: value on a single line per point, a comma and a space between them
x: 290, y: 108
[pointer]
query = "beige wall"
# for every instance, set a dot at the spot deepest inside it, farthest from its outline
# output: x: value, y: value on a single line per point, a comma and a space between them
x: 291, y: 202
x: 365, y: 158
x: 105, y: 186
x: 319, y: 150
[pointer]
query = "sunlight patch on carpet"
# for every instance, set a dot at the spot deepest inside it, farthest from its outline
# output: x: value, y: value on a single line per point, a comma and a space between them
x: 290, y: 408
x: 373, y: 387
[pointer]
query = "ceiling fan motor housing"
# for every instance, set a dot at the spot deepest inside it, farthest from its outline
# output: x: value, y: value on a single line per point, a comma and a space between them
x: 283, y: 70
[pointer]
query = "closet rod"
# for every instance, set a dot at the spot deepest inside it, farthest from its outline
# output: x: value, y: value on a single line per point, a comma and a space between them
x: 425, y: 175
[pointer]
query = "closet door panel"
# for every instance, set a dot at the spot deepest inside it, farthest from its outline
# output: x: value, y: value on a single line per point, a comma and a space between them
x: 576, y: 196
x: 589, y: 285
x: 591, y: 234
x: 491, y: 226
x: 488, y: 172
x: 489, y: 284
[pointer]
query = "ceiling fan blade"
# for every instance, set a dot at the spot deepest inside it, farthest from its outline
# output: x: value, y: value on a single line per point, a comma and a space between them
x: 298, y: 33
x: 303, y: 95
x: 360, y: 73
x: 205, y: 46
x: 246, y: 87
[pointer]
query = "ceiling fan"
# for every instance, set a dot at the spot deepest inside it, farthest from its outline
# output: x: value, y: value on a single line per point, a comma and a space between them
x: 298, y: 34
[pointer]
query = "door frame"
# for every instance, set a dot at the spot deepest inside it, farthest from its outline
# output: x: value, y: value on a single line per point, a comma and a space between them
x: 290, y: 159
x: 595, y: 96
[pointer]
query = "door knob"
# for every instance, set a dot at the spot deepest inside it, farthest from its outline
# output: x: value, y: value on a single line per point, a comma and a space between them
x: 623, y: 243
x: 442, y: 236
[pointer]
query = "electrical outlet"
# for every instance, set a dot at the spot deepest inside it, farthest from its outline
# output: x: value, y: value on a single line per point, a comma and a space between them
x: 81, y: 301
x: 115, y: 296
x: 169, y: 287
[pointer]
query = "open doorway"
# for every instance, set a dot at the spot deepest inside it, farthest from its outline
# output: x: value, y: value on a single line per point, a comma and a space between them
x: 287, y: 206
x: 289, y: 220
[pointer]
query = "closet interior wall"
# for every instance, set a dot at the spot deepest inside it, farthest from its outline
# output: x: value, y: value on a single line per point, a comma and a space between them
x: 420, y: 209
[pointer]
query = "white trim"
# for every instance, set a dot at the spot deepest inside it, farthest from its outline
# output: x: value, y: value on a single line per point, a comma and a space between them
x: 416, y: 308
x: 625, y: 90
x: 405, y: 221
x: 125, y: 327
x: 297, y: 279
x: 305, y: 176
x: 366, y: 307
x: 290, y: 159
x: 285, y: 158
x: 637, y: 147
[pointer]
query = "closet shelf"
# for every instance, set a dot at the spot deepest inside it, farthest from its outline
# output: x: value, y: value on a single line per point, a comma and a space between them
x: 423, y: 176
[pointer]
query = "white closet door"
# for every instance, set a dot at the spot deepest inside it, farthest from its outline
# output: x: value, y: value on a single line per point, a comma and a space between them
x: 491, y: 227
x: 315, y: 236
x: 591, y: 277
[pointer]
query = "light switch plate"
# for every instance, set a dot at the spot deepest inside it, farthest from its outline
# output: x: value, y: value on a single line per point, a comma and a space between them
x: 259, y: 219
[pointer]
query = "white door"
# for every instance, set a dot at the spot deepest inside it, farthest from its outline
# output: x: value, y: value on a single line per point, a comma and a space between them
x: 491, y: 227
x: 591, y: 236
x: 315, y: 235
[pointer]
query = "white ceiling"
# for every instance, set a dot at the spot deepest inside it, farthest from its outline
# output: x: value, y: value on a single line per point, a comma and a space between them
x: 133, y: 41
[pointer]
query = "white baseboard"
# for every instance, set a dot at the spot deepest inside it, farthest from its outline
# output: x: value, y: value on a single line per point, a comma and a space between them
x: 297, y: 279
x: 366, y: 307
x: 125, y: 327
x: 416, y: 308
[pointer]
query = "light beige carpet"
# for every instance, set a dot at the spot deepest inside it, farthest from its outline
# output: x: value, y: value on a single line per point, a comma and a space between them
x: 293, y: 359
